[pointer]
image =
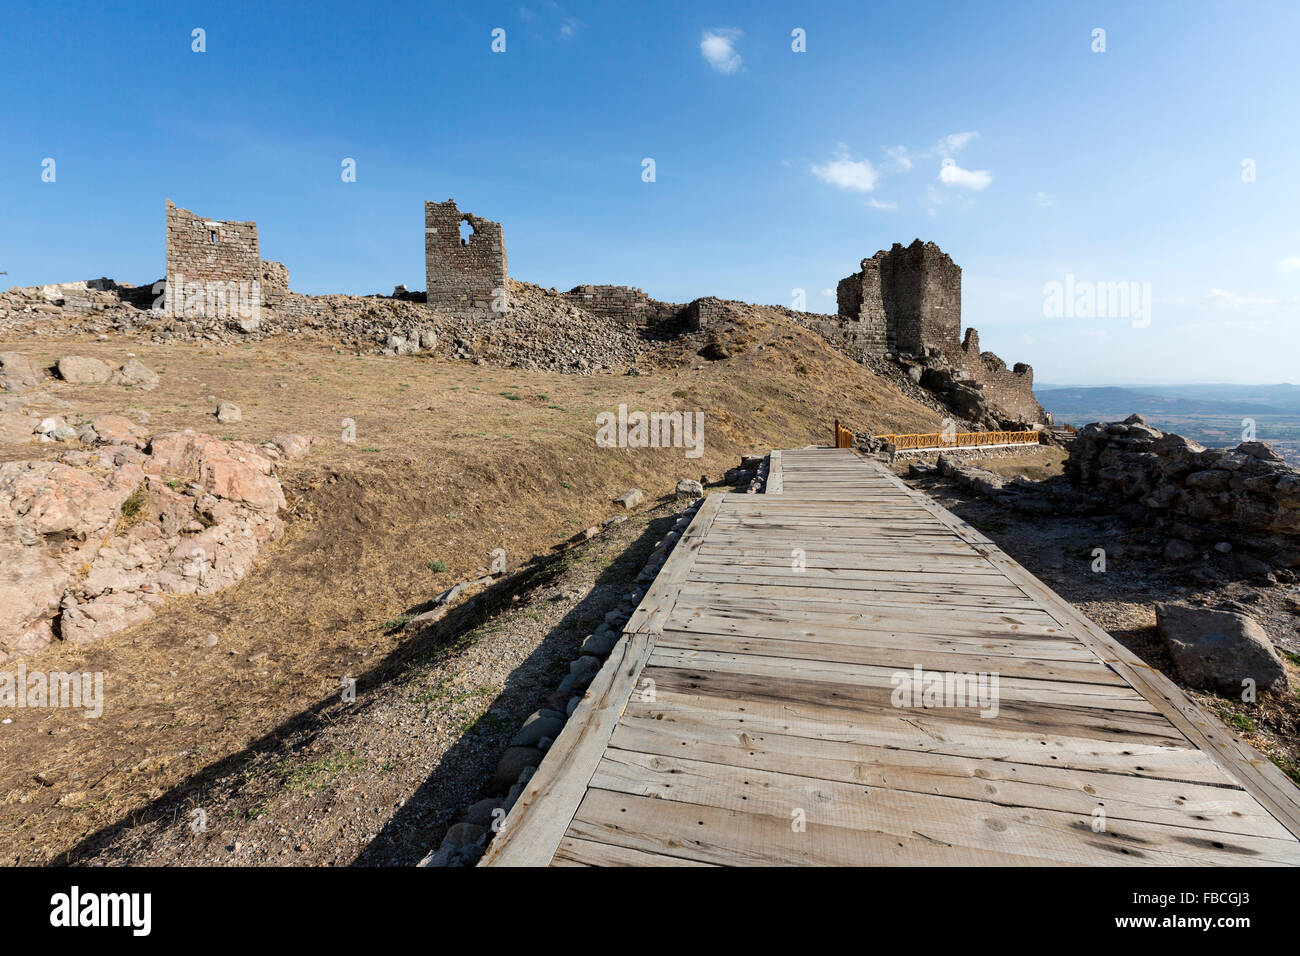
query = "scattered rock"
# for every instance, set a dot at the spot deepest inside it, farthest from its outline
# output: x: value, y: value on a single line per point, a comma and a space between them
x: 512, y: 762
x: 630, y: 498
x: 228, y: 412
x: 689, y: 488
x: 535, y: 728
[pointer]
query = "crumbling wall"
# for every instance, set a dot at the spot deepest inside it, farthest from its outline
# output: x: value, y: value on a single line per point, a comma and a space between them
x: 860, y: 300
x: 465, y: 277
x: 1010, y: 390
x: 275, y: 283
x: 1200, y: 495
x: 208, y: 262
x: 612, y: 301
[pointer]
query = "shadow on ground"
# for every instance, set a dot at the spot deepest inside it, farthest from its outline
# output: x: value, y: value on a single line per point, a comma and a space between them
x: 418, y: 825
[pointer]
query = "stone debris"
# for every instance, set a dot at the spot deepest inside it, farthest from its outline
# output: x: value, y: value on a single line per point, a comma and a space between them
x: 630, y: 499
x: 18, y: 373
x: 689, y: 488
x: 228, y: 412
x: 1243, y: 496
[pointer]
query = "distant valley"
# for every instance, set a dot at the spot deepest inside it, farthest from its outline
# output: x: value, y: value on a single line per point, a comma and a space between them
x: 1214, y: 415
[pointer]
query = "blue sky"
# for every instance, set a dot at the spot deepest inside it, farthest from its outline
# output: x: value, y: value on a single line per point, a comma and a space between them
x: 994, y: 130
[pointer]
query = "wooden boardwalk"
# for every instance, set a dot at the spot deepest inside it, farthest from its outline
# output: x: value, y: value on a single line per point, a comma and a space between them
x: 751, y: 715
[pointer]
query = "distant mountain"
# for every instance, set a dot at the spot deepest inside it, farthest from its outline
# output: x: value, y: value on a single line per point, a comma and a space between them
x: 1082, y: 404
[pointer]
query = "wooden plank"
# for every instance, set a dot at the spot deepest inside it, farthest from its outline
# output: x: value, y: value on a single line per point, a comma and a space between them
x: 1120, y: 796
x: 573, y: 852
x: 923, y: 655
x: 745, y: 838
x: 775, y: 479
x: 1045, y: 835
x: 834, y: 674
x: 1167, y: 757
x: 872, y: 702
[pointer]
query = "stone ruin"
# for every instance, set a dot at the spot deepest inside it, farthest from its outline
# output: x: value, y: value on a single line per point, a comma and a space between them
x: 465, y: 274
x: 215, y: 270
x: 906, y: 302
x: 1247, y: 496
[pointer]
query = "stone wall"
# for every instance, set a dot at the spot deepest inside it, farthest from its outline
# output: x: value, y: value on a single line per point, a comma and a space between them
x: 611, y: 301
x: 1199, y: 495
x: 204, y: 257
x: 464, y: 276
x: 860, y: 301
x: 1009, y: 389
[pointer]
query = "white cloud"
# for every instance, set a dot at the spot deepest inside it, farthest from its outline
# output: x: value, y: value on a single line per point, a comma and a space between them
x: 898, y: 158
x: 875, y: 203
x: 950, y: 174
x: 1043, y: 200
x: 954, y: 142
x: 828, y: 293
x: 1227, y: 299
x: 847, y: 173
x: 719, y: 48
x: 1290, y: 264
x: 570, y: 26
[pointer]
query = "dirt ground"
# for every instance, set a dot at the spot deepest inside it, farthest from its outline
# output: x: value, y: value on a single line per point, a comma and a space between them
x: 450, y: 461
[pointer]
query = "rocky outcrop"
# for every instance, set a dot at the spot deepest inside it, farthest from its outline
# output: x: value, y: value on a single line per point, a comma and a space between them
x: 1246, y: 495
x: 90, y: 544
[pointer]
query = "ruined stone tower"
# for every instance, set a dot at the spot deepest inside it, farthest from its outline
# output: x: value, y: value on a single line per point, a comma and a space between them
x: 907, y: 298
x: 215, y: 269
x: 466, y: 275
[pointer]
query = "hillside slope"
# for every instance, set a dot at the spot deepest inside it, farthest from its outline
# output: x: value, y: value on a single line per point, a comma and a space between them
x: 451, y: 460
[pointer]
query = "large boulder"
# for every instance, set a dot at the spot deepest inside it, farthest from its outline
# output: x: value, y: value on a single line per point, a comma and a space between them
x: 18, y: 373
x: 134, y: 372
x: 1218, y: 650
x: 82, y: 370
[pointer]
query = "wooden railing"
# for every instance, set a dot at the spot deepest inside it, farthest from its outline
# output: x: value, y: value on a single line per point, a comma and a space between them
x: 843, y: 437
x: 960, y: 439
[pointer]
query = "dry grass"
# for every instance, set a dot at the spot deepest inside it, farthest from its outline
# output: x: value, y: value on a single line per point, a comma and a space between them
x: 451, y: 460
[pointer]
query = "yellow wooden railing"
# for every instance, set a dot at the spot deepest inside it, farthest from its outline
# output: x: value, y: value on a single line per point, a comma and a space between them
x: 843, y: 437
x: 960, y: 439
